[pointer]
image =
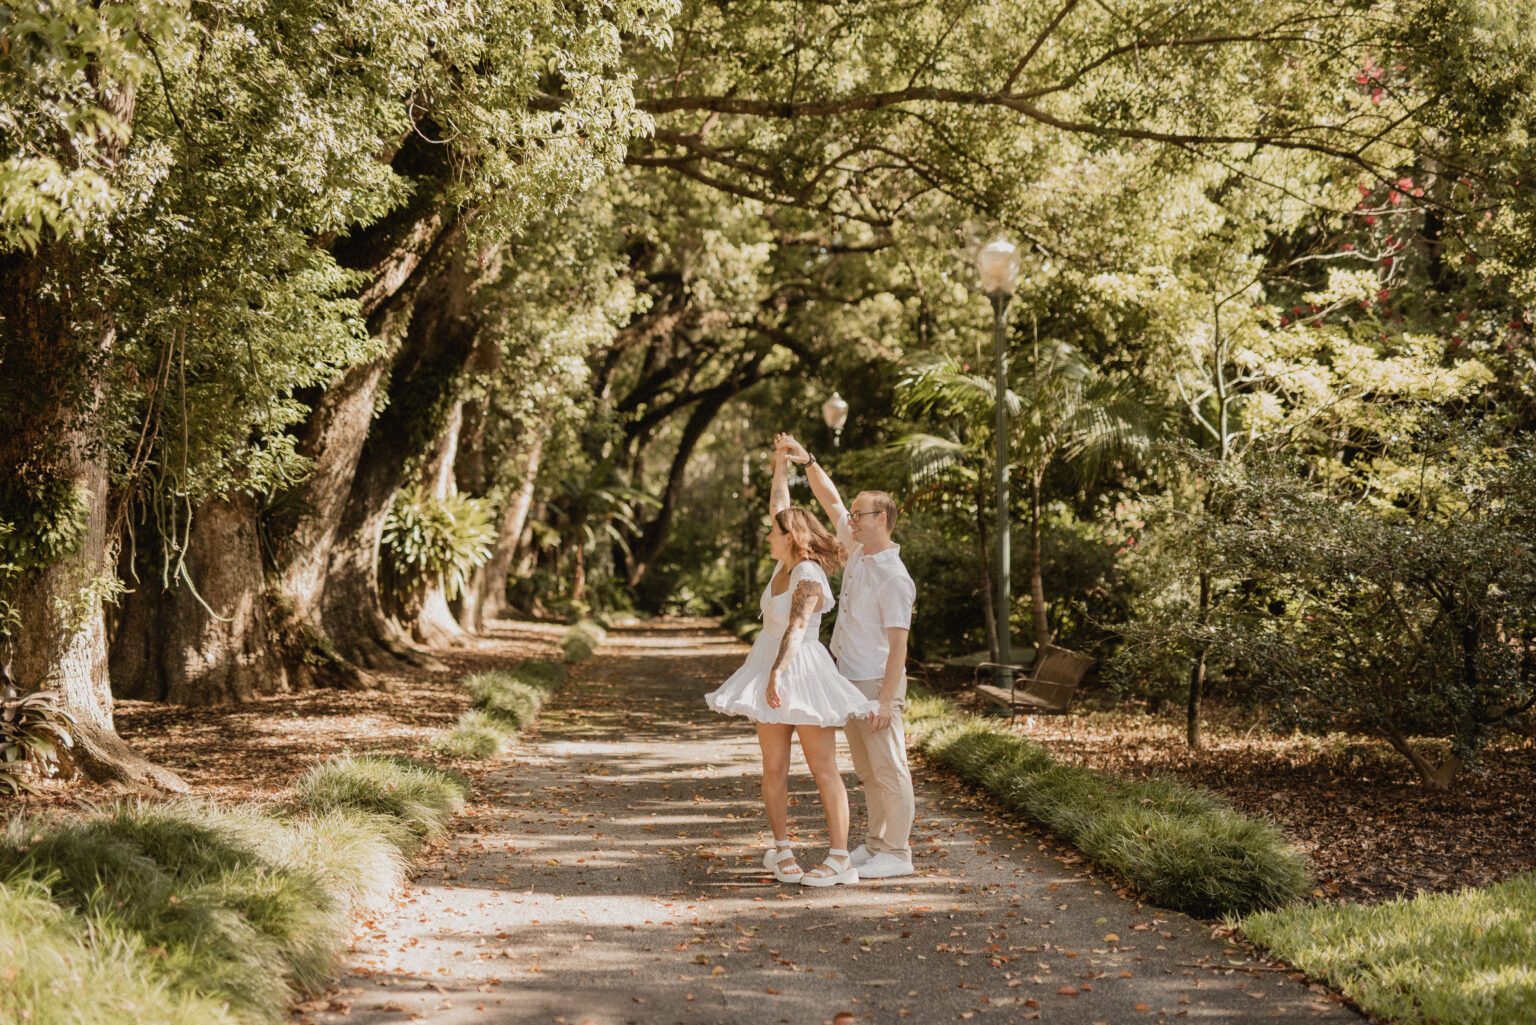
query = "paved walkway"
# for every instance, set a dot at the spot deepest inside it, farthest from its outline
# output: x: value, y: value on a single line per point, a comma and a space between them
x: 610, y: 874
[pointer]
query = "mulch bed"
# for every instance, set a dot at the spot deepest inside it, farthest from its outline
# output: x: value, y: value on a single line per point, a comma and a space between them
x: 1374, y: 832
x: 256, y: 751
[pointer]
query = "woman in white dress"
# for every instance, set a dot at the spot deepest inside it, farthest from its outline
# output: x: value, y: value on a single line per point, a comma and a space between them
x: 790, y: 685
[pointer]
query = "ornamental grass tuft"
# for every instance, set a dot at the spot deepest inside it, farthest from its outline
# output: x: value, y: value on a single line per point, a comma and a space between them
x: 421, y: 797
x: 541, y: 674
x: 1180, y: 846
x: 503, y: 702
x: 1467, y: 957
x: 189, y: 912
x: 61, y: 970
x: 504, y: 697
x: 477, y: 735
x: 228, y: 922
x: 581, y: 640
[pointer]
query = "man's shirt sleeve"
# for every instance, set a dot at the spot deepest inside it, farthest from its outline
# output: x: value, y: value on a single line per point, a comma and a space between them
x: 896, y: 600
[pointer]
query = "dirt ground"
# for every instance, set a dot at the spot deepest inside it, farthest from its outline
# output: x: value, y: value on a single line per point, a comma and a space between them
x: 608, y: 872
x: 255, y: 751
x: 1374, y: 832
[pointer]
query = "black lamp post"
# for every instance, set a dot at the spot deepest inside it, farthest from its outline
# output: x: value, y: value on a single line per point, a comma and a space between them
x: 998, y: 263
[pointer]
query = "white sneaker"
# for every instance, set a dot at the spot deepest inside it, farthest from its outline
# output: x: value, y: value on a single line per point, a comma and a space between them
x: 860, y: 856
x: 884, y: 866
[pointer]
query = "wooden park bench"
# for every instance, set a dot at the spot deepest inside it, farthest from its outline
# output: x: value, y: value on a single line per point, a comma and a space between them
x: 1043, y: 688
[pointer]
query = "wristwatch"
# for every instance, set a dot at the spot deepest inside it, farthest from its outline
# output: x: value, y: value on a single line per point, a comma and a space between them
x: 810, y: 460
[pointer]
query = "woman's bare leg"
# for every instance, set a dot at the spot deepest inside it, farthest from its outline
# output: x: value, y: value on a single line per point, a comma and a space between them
x: 774, y: 740
x: 819, y: 745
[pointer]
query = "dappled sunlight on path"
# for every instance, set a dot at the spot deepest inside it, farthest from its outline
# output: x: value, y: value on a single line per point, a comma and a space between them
x: 609, y: 873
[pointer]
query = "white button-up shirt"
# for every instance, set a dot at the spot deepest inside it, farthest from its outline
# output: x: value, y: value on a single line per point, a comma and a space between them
x: 877, y: 594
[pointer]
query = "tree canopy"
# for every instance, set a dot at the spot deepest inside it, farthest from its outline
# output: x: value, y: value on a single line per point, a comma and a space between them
x: 286, y: 284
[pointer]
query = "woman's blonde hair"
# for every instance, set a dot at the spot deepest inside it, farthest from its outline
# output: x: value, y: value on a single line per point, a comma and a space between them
x: 808, y: 539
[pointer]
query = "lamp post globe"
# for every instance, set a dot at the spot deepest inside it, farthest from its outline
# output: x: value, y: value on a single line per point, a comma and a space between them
x: 834, y: 412
x: 998, y: 266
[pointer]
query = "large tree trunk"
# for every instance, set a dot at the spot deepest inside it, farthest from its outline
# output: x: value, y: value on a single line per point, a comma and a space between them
x: 423, y: 386
x: 207, y: 640
x: 337, y: 430
x: 51, y: 405
x: 56, y: 346
x: 486, y: 596
x: 1036, y: 577
x: 61, y: 641
x: 434, y: 623
x: 1197, y: 671
x: 328, y: 564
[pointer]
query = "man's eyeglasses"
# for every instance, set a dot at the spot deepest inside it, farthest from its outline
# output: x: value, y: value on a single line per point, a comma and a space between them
x: 857, y: 515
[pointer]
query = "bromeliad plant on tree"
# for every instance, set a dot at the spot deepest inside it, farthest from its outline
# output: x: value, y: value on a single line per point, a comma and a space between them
x: 32, y: 729
x: 429, y: 540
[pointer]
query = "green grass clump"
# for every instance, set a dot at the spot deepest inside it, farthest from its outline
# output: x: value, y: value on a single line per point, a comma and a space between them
x: 228, y: 922
x: 581, y: 640
x: 355, y: 854
x: 1180, y: 846
x: 924, y: 711
x: 55, y: 969
x: 1467, y: 957
x: 541, y: 674
x: 421, y: 797
x: 503, y: 702
x: 477, y: 735
x: 503, y: 697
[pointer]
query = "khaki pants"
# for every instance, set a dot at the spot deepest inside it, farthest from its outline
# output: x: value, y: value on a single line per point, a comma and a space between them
x: 880, y: 759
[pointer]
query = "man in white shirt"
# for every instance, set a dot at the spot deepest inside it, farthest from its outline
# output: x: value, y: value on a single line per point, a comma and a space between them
x: 870, y: 645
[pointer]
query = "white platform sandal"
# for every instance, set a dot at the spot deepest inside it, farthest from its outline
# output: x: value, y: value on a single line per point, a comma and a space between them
x: 829, y: 874
x: 780, y: 860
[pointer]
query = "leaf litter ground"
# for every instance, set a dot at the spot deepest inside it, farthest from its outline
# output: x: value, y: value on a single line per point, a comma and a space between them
x: 608, y: 872
x: 1372, y: 830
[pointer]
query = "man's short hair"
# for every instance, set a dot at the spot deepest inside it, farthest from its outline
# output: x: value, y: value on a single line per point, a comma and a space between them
x: 882, y: 503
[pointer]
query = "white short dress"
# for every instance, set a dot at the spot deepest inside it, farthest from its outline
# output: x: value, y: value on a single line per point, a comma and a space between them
x: 814, y: 693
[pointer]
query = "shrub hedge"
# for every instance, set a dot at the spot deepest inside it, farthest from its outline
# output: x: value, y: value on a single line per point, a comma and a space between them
x: 1182, y: 847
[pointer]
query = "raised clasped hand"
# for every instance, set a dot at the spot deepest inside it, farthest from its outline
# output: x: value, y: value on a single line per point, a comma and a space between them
x: 787, y: 444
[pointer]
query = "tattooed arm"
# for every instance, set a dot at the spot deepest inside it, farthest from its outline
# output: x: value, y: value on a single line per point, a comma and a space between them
x: 778, y: 497
x: 805, y: 601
